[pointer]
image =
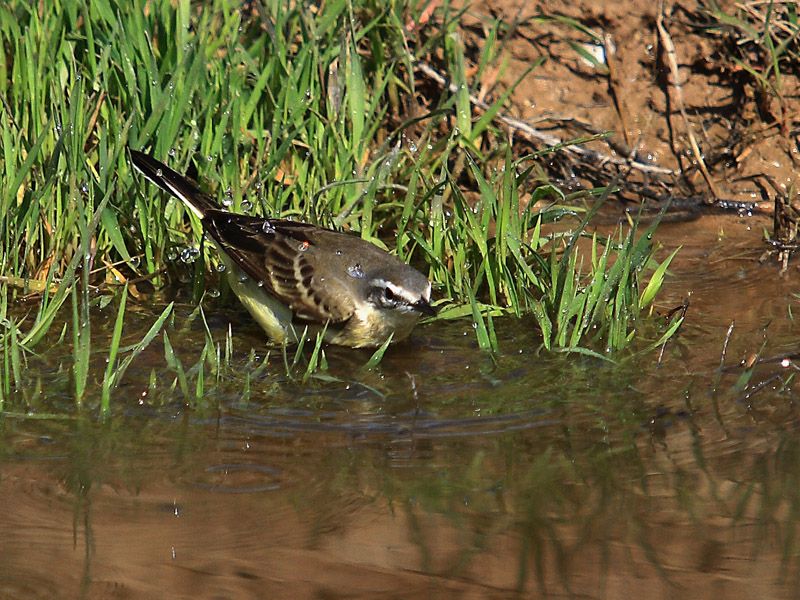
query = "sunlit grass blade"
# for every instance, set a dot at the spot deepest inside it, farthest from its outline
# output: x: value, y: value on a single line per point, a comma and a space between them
x: 656, y: 280
x: 377, y: 356
x: 116, y: 338
x: 455, y: 52
x: 356, y: 101
x: 176, y: 365
x: 317, y: 359
x: 484, y: 330
x: 141, y: 345
x: 81, y: 345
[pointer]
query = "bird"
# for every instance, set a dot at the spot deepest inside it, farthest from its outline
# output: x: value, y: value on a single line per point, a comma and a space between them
x: 299, y: 279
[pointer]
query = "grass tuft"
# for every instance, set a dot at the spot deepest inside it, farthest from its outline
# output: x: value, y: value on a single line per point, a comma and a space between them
x: 290, y: 111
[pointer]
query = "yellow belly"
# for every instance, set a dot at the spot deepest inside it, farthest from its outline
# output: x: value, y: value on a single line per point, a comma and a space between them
x: 369, y: 327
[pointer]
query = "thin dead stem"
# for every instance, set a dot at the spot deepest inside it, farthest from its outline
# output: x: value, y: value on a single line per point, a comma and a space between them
x: 671, y: 58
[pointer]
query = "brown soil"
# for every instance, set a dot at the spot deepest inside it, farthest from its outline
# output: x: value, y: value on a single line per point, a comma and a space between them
x: 747, y: 135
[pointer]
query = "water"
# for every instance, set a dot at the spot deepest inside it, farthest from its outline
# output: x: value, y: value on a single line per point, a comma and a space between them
x: 439, y: 475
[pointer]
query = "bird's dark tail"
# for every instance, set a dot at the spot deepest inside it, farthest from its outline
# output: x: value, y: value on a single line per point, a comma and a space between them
x: 174, y: 183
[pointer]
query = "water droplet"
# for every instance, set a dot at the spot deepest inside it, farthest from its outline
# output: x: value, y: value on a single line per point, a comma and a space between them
x: 189, y: 255
x: 172, y: 255
x: 212, y: 293
x: 221, y: 268
x: 247, y: 205
x: 267, y: 227
x: 227, y: 202
x: 159, y: 173
x: 338, y: 253
x: 355, y: 271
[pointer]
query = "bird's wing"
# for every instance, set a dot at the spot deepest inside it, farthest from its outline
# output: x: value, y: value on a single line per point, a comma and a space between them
x: 281, y: 256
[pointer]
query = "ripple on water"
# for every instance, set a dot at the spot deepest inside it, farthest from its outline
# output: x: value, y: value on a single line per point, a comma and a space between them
x: 238, y: 478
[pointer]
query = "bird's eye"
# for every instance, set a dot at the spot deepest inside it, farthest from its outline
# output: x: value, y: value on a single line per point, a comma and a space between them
x: 388, y: 294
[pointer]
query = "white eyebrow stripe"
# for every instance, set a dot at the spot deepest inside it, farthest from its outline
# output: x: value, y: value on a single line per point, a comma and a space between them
x: 399, y: 291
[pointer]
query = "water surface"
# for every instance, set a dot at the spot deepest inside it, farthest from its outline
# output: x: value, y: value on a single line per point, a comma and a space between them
x: 442, y: 474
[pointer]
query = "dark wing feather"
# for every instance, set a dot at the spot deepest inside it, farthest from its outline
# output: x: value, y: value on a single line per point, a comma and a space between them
x: 176, y: 184
x: 279, y: 255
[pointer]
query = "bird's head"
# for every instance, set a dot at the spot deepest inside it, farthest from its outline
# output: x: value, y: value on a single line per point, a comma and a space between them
x: 402, y: 289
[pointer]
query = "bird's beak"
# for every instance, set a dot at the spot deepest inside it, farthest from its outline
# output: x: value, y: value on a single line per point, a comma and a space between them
x: 424, y: 307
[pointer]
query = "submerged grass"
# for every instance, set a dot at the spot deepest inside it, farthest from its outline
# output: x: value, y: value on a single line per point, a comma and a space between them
x: 288, y: 111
